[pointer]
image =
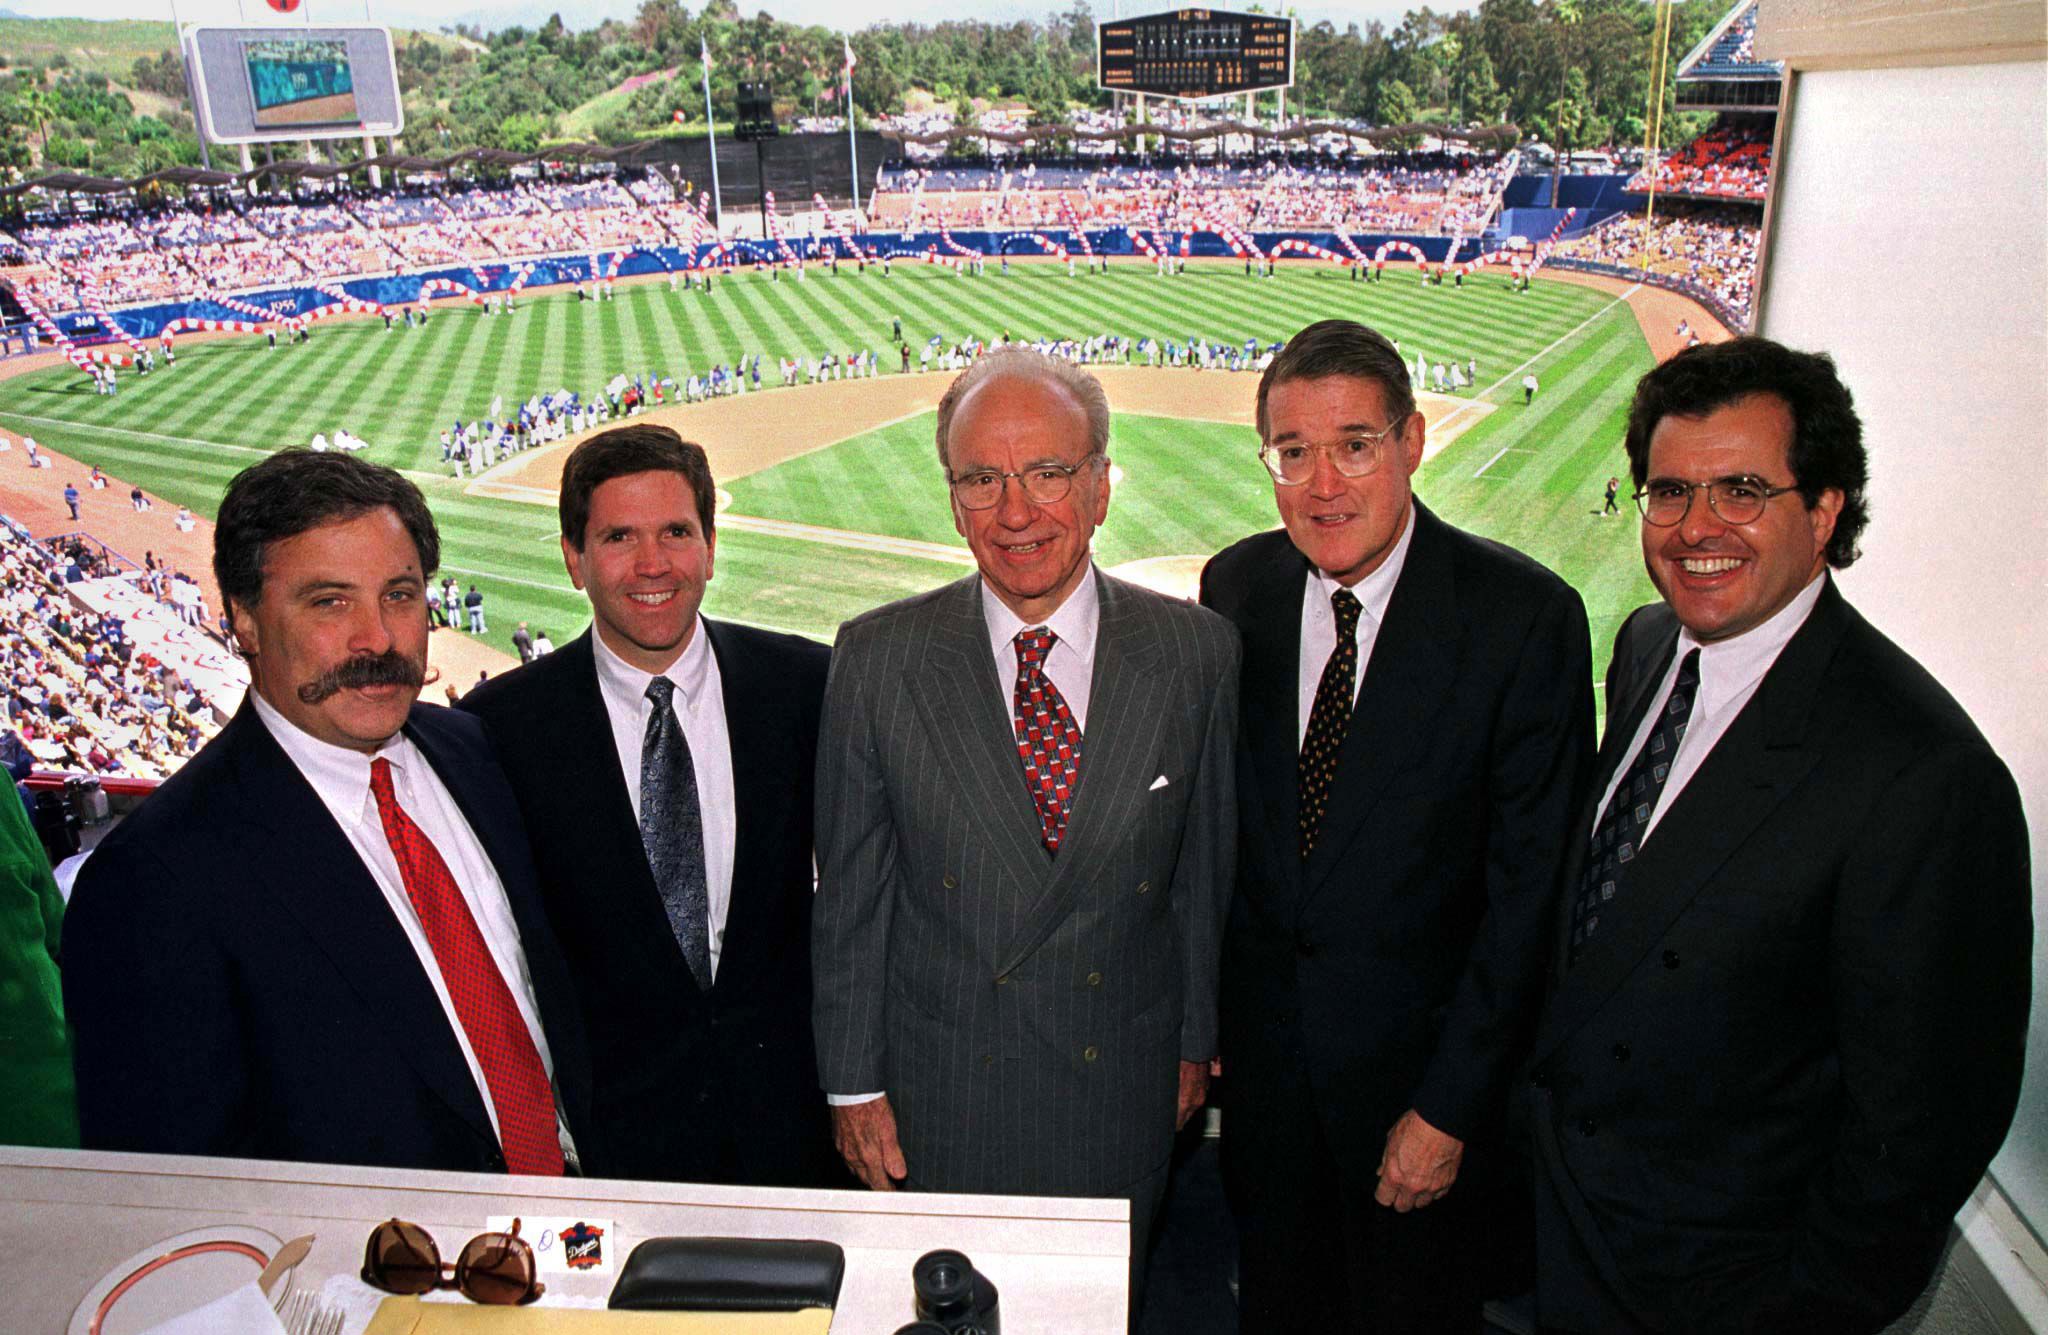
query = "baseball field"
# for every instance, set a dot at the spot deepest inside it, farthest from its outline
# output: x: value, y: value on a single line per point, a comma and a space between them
x: 833, y: 498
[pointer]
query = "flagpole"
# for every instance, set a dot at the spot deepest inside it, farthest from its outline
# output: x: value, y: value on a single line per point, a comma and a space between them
x: 717, y: 200
x: 852, y: 145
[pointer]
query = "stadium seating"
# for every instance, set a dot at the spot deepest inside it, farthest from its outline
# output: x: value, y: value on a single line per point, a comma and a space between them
x: 98, y: 676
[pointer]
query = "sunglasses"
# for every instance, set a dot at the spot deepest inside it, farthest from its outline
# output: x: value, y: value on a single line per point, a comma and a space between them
x: 494, y: 1268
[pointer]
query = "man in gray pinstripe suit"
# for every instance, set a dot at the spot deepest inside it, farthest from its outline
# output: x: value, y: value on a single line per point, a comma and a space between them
x: 1025, y: 833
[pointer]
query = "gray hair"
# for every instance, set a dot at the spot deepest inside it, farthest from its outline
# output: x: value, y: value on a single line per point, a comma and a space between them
x: 1022, y: 363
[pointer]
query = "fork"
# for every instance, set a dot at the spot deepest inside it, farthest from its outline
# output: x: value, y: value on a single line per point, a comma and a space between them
x: 298, y: 1310
x: 306, y: 1314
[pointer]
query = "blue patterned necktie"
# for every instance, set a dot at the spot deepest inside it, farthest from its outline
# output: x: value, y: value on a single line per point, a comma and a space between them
x: 1621, y: 827
x: 1329, y: 717
x: 672, y: 830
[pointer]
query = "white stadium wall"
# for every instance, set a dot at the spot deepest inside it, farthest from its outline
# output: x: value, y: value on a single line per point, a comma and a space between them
x: 1909, y: 239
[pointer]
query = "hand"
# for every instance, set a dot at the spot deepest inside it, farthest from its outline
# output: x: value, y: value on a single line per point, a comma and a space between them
x: 1418, y: 1165
x: 865, y: 1136
x: 1194, y: 1091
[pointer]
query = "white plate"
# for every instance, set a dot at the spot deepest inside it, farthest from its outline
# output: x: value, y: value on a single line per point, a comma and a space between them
x: 172, y: 1277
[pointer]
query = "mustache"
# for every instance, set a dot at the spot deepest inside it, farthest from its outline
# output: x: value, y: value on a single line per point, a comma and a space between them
x: 389, y: 668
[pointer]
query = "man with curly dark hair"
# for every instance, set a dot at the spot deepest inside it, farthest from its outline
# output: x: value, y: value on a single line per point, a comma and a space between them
x: 1789, y: 1002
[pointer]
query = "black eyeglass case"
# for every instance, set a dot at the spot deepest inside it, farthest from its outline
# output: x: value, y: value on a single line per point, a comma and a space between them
x: 729, y: 1275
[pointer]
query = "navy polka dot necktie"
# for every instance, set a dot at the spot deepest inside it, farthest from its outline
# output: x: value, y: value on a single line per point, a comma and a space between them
x: 1328, y: 718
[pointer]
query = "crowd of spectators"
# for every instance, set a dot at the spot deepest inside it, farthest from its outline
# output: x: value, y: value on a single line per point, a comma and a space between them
x: 78, y: 691
x: 1732, y: 162
x: 1710, y: 250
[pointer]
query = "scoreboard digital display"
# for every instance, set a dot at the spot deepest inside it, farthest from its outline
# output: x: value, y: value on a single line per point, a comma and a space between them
x: 1194, y: 53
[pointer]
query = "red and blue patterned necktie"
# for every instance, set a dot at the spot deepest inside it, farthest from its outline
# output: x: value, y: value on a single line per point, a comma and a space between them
x: 1048, y: 736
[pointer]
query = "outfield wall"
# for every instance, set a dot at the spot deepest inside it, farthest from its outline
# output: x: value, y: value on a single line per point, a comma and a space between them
x: 910, y: 247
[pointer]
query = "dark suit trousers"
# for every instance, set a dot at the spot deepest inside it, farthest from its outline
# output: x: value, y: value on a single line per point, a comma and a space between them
x: 1317, y: 1253
x: 1571, y: 1298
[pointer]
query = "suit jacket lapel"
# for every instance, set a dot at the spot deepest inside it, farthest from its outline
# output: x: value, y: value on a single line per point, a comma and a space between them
x: 1121, y: 740
x: 1271, y: 717
x: 579, y: 730
x: 1758, y: 761
x: 1411, y: 672
x: 322, y: 882
x: 957, y: 692
x: 761, y: 750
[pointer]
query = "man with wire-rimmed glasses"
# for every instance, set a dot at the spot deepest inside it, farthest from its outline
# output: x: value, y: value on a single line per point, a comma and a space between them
x: 1788, y: 1014
x: 1417, y: 720
x: 1024, y: 834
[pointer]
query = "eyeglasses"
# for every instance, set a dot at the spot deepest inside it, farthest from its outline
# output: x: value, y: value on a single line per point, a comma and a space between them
x: 494, y: 1268
x: 1044, y: 484
x: 1354, y: 456
x: 1665, y: 501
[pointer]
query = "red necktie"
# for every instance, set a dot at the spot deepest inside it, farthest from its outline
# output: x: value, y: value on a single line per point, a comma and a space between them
x: 512, y: 1068
x: 1048, y: 738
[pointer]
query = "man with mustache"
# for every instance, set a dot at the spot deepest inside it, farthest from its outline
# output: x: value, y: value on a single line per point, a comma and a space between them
x: 323, y: 939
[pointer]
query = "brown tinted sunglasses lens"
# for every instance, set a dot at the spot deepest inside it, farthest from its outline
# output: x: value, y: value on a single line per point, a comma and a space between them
x: 402, y: 1258
x: 497, y: 1268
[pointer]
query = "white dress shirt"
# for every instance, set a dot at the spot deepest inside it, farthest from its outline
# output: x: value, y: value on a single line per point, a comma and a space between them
x: 699, y: 705
x: 1071, y: 664
x: 1730, y: 672
x: 1070, y: 667
x: 341, y: 779
x: 1319, y: 622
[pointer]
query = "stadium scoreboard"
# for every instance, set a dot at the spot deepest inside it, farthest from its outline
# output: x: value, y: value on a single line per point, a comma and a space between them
x: 281, y: 83
x: 1195, y: 53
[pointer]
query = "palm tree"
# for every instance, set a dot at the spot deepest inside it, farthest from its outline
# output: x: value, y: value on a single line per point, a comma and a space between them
x: 37, y: 104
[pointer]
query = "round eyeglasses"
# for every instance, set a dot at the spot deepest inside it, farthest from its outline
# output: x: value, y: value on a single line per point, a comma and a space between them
x: 1355, y: 456
x: 1043, y: 484
x: 1665, y: 501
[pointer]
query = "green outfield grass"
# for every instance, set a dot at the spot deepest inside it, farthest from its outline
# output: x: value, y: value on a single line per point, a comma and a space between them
x: 1529, y: 476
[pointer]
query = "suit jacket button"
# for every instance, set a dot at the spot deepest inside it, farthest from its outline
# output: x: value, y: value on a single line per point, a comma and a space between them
x: 1095, y: 980
x: 1144, y: 887
x: 1670, y: 959
x: 1587, y: 1126
x: 1089, y: 1054
x: 949, y: 882
x: 988, y: 1059
x: 1621, y: 1052
x: 1002, y: 978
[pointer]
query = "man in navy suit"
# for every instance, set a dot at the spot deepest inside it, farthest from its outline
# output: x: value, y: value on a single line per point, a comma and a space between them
x: 1788, y: 1011
x: 322, y: 940
x: 663, y: 763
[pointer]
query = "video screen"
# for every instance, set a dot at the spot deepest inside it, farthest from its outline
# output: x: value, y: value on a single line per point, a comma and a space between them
x: 301, y: 81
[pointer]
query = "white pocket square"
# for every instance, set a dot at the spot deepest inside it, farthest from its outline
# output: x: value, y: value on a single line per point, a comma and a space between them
x: 1157, y: 784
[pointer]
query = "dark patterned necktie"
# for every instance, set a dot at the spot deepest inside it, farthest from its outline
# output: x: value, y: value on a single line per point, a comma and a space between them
x: 672, y: 830
x: 1048, y: 737
x: 1328, y: 718
x: 514, y: 1076
x: 1621, y: 827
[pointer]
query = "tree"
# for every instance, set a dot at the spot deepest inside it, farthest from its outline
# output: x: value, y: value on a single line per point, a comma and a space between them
x: 1394, y: 104
x: 38, y: 107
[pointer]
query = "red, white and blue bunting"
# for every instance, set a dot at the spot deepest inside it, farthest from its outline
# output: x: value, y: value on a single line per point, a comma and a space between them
x: 433, y: 287
x: 1046, y: 243
x: 775, y: 232
x: 50, y: 331
x: 946, y: 236
x: 189, y: 323
x: 96, y: 306
x: 1073, y: 223
x: 1379, y: 257
x: 1240, y: 243
x: 1290, y: 246
x: 259, y: 314
x: 348, y: 302
x: 838, y: 230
